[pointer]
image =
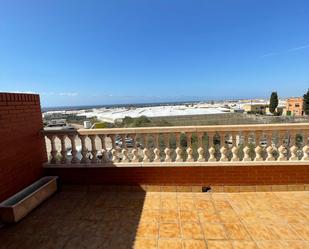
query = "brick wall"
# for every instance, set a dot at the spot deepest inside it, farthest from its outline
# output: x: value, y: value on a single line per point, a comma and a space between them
x: 22, y: 147
x: 219, y: 175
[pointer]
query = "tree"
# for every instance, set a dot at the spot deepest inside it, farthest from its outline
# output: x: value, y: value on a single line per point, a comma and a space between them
x: 273, y: 103
x: 306, y: 103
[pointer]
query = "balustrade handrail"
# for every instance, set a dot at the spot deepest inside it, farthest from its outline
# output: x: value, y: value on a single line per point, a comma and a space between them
x: 206, y: 128
x: 184, y: 129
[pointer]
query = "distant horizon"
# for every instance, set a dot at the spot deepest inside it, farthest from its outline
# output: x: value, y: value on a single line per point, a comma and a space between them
x: 158, y: 103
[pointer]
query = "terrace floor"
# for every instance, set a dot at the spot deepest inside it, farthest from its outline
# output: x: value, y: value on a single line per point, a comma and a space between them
x: 86, y: 217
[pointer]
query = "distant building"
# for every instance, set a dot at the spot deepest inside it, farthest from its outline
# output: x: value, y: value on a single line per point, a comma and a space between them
x: 280, y: 110
x: 56, y: 123
x: 255, y: 108
x: 238, y: 110
x: 87, y: 124
x: 294, y: 107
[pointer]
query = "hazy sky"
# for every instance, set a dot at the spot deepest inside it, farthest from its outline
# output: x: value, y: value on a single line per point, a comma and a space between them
x: 128, y: 51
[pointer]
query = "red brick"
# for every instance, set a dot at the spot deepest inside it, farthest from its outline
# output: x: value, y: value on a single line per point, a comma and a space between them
x: 244, y: 175
x: 22, y: 148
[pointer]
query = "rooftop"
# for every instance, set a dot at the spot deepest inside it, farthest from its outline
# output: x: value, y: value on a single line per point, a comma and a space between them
x: 88, y: 217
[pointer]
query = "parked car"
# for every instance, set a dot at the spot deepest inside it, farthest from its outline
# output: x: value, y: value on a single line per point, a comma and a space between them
x: 129, y: 142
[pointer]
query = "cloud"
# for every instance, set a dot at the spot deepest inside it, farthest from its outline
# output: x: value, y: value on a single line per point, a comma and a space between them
x: 285, y: 51
x: 299, y: 48
x: 73, y: 94
x: 69, y: 94
x: 267, y: 55
x: 28, y: 92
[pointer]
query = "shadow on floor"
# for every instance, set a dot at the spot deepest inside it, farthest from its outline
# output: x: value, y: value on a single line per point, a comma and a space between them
x: 79, y: 217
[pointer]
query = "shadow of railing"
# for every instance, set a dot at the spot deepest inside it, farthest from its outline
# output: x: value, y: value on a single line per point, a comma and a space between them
x: 81, y: 216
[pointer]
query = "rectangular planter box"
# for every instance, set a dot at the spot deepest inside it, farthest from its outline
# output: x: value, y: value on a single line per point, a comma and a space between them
x: 22, y: 203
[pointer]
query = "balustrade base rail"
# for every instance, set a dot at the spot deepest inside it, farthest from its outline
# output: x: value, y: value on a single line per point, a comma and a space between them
x: 218, y: 174
x: 177, y: 164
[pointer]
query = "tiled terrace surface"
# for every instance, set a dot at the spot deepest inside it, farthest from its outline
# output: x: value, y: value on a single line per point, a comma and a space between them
x: 86, y: 217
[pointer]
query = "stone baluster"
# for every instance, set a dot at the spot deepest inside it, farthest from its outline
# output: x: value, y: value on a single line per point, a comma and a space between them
x: 156, y: 150
x: 104, y: 150
x: 167, y: 149
x: 63, y: 151
x: 115, y: 158
x: 282, y: 149
x: 306, y: 147
x: 178, y: 148
x: 235, y: 149
x: 200, y: 150
x: 223, y: 149
x: 258, y: 149
x: 189, y: 148
x: 135, y: 158
x: 53, y: 152
x: 73, y: 151
x: 293, y: 148
x: 94, y: 151
x: 125, y: 157
x: 211, y: 150
x: 246, y: 149
x: 270, y: 148
x: 146, y: 158
x: 84, y: 151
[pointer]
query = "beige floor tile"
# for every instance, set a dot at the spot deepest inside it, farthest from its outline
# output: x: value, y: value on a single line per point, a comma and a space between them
x: 296, y: 187
x: 295, y: 218
x: 169, y: 216
x: 219, y: 244
x: 231, y: 189
x: 196, y: 188
x: 261, y: 232
x: 191, y: 230
x: 169, y: 203
x: 147, y: 229
x: 141, y: 243
x: 204, y: 204
x: 247, y: 189
x: 169, y: 230
x: 168, y: 188
x: 302, y: 229
x: 206, y: 216
x: 236, y: 231
x: 152, y: 203
x: 150, y: 215
x: 188, y: 215
x: 186, y: 204
x: 222, y: 205
x: 249, y: 218
x: 279, y: 188
x: 284, y: 232
x: 170, y: 244
x: 296, y: 244
x: 263, y: 188
x: 244, y: 245
x: 217, y: 189
x: 153, y: 188
x: 194, y: 244
x: 184, y: 188
x: 270, y: 245
x: 220, y: 196
x: 228, y: 216
x: 214, y: 231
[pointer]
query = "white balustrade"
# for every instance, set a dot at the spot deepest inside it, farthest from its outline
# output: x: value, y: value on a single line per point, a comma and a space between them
x: 235, y: 144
